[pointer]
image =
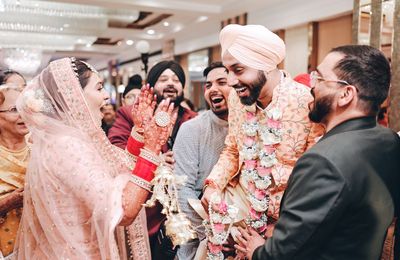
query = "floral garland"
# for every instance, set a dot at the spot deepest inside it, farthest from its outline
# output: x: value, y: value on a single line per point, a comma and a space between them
x: 220, y: 215
x: 259, y: 158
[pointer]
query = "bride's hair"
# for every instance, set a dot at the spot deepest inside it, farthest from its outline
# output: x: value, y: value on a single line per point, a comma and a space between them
x: 84, y: 73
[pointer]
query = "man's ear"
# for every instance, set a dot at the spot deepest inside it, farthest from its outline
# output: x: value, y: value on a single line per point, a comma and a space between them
x: 347, y: 95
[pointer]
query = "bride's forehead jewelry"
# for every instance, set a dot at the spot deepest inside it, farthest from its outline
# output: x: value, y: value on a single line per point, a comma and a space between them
x: 75, y: 68
x: 90, y: 67
x: 73, y: 64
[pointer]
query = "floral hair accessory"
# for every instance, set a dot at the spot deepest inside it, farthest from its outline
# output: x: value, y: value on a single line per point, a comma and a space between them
x: 36, y: 101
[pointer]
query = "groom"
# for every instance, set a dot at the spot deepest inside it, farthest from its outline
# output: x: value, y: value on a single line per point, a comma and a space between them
x: 269, y: 128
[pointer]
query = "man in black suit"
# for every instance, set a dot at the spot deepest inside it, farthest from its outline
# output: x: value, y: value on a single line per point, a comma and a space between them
x: 344, y: 191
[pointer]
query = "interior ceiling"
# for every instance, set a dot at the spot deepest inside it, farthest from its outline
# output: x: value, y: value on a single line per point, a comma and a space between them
x: 98, y: 30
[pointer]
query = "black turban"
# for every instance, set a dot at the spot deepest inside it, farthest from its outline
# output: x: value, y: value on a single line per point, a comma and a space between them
x: 160, y: 67
x: 134, y: 82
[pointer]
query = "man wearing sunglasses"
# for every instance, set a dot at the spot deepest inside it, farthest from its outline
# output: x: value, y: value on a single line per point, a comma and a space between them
x: 343, y: 193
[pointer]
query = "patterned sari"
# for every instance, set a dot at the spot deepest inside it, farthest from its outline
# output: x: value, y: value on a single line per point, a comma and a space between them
x: 12, y: 174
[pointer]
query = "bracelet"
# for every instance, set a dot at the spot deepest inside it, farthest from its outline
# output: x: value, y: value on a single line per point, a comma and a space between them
x: 133, y: 146
x: 141, y: 183
x: 136, y: 133
x: 144, y: 169
x: 150, y: 156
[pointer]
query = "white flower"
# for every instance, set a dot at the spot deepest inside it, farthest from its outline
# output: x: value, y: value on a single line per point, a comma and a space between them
x: 262, y: 184
x: 33, y: 103
x: 232, y: 211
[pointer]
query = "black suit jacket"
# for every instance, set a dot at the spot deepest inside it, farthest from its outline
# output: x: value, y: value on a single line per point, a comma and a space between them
x: 340, y: 197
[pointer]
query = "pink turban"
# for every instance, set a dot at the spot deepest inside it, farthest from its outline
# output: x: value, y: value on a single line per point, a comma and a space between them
x: 253, y: 45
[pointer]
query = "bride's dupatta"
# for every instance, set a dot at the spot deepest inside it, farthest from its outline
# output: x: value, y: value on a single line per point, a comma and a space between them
x: 75, y: 178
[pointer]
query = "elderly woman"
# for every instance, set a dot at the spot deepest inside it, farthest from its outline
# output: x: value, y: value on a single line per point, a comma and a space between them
x: 79, y: 188
x: 14, y: 155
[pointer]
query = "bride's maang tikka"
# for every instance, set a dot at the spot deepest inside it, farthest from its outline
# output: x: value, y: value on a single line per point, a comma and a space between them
x: 75, y: 68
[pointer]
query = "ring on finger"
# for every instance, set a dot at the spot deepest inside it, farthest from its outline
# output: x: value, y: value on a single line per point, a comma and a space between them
x: 162, y: 119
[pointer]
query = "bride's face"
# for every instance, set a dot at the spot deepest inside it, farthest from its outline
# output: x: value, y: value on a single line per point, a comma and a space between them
x: 96, y: 96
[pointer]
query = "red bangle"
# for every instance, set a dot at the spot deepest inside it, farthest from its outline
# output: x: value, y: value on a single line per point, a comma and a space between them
x: 134, y: 146
x: 144, y: 169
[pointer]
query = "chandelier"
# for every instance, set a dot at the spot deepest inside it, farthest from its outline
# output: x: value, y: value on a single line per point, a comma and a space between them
x: 25, y: 61
x: 54, y: 25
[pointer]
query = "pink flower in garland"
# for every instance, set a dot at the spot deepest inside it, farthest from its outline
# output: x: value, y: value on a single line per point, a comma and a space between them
x: 251, y: 117
x: 249, y: 141
x: 219, y: 227
x: 269, y: 149
x: 250, y: 164
x: 273, y: 123
x: 223, y: 208
x: 255, y: 214
x: 214, y: 249
x: 262, y: 171
x: 260, y: 194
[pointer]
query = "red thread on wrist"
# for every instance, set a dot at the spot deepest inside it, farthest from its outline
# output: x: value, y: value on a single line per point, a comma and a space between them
x: 134, y: 146
x: 144, y: 169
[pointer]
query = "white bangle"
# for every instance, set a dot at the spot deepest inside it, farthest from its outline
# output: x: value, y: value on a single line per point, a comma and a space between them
x: 141, y: 183
x: 150, y: 156
x: 135, y: 135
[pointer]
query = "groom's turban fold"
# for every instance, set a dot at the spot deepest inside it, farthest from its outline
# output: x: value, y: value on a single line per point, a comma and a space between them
x: 253, y: 45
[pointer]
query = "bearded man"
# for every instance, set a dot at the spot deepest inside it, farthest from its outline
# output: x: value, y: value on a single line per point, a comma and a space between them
x: 269, y: 128
x: 343, y: 193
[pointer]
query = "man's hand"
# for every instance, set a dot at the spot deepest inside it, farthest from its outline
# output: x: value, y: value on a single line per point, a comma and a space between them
x: 206, y: 197
x: 249, y: 240
x: 168, y: 159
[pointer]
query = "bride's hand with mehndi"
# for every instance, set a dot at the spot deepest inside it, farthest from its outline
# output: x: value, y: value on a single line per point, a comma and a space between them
x: 158, y: 128
x: 143, y: 108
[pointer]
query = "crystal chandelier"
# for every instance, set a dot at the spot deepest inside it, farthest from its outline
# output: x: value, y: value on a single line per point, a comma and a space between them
x: 25, y: 61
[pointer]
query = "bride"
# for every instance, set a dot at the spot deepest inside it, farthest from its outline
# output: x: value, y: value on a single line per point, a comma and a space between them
x: 80, y: 188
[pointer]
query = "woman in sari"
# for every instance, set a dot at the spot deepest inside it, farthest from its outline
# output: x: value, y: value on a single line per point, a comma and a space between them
x: 14, y: 155
x: 80, y: 188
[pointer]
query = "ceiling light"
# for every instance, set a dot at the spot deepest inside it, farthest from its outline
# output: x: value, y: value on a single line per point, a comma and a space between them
x: 129, y: 42
x: 88, y: 45
x: 178, y: 28
x: 151, y: 32
x: 26, y: 61
x: 166, y: 24
x: 202, y: 18
x: 143, y: 46
x: 66, y: 25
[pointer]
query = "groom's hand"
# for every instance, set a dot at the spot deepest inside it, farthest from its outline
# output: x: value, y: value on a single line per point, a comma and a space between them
x: 205, y: 200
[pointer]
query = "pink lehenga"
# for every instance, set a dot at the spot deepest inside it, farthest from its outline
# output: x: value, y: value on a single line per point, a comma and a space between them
x: 75, y: 178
